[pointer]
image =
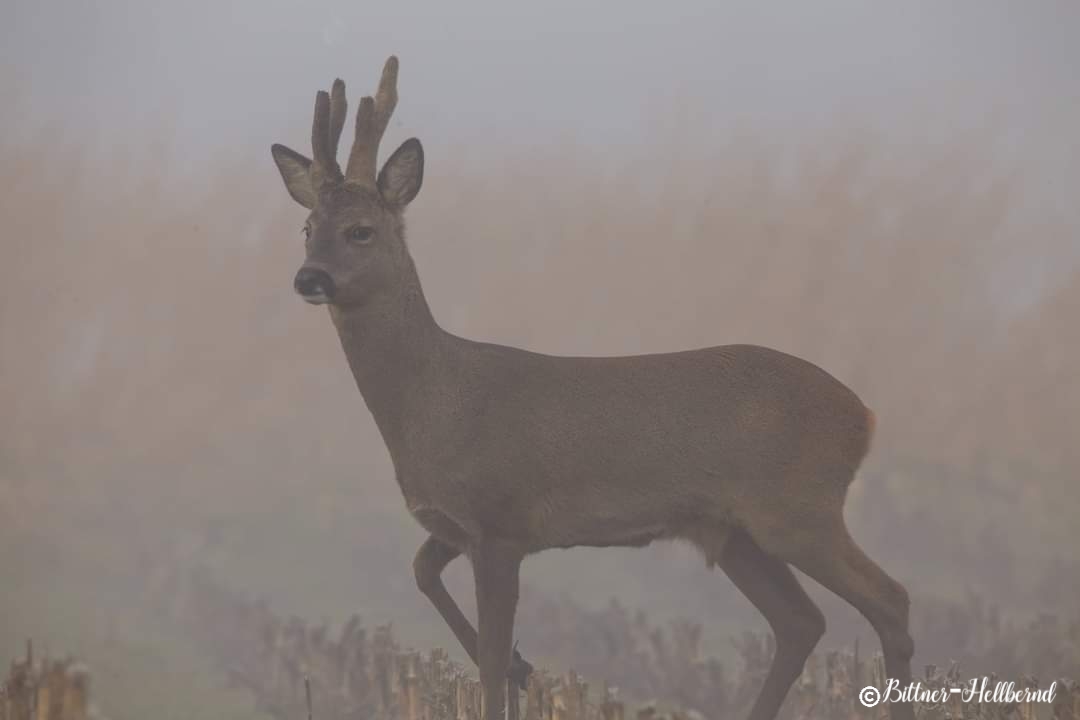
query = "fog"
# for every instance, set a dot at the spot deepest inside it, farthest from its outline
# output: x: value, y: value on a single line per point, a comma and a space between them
x: 885, y: 189
x: 241, y: 73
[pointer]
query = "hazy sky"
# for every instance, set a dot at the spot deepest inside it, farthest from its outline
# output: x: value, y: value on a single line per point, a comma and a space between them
x: 245, y: 72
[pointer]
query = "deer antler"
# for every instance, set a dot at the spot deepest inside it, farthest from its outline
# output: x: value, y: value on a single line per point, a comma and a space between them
x: 337, y: 117
x: 329, y: 113
x: 372, y: 117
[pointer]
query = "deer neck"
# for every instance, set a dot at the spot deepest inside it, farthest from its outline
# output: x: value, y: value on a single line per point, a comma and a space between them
x: 395, y: 350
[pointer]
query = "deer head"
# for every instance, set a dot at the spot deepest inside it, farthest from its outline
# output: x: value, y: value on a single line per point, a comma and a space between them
x: 354, y: 234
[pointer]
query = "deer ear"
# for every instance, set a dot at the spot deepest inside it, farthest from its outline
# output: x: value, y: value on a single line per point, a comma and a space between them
x: 294, y: 171
x: 401, y: 176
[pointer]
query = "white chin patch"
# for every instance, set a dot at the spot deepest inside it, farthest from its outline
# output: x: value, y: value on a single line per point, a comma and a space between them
x: 319, y: 299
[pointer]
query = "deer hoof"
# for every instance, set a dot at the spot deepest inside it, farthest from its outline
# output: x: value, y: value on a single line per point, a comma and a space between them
x: 520, y: 670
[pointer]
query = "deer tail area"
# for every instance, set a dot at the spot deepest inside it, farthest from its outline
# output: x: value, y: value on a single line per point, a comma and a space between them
x: 871, y: 425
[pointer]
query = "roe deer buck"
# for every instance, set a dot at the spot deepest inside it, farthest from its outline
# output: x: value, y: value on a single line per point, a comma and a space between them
x: 744, y: 451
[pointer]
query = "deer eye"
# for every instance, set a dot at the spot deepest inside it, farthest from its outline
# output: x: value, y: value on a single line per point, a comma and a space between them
x: 361, y: 234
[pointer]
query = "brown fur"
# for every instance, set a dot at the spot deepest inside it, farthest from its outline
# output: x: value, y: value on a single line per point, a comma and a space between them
x: 744, y: 451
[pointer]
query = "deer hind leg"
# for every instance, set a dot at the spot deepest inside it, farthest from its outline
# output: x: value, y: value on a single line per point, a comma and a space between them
x: 796, y: 621
x: 431, y: 559
x: 832, y: 558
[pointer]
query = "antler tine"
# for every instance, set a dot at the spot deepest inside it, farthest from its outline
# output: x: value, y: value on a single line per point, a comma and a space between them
x: 338, y: 108
x: 386, y: 97
x: 372, y: 117
x: 322, y: 165
x: 361, y: 167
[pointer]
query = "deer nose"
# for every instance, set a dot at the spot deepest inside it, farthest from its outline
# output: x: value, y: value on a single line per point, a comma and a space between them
x: 315, y: 286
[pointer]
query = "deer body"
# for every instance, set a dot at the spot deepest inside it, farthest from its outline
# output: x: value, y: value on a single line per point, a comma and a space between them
x: 548, y: 451
x: 500, y: 452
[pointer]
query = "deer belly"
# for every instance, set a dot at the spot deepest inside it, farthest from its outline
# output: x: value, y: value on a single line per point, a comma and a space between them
x: 616, y: 534
x: 556, y: 524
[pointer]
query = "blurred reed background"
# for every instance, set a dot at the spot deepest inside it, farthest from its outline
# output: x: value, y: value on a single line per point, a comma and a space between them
x: 165, y: 392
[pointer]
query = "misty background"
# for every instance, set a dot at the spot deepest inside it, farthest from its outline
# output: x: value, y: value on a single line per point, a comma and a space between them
x: 886, y: 189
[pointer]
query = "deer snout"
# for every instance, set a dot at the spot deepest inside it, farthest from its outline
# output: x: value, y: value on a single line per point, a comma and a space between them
x: 314, y: 285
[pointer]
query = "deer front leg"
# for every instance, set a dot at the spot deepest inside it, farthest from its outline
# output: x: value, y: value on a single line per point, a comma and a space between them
x: 431, y: 559
x: 495, y: 567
